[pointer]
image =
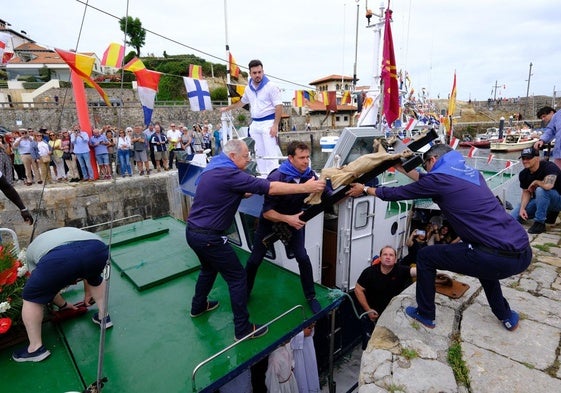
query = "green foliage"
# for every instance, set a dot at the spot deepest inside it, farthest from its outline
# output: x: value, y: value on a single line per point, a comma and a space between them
x: 129, y: 56
x: 219, y: 94
x: 3, y: 75
x: 171, y: 89
x: 455, y: 360
x: 242, y: 119
x: 45, y: 74
x: 132, y: 27
x: 115, y: 85
x: 409, y: 353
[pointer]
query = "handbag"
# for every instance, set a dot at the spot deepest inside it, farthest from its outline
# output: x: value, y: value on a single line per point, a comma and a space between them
x: 66, y: 156
x: 46, y: 159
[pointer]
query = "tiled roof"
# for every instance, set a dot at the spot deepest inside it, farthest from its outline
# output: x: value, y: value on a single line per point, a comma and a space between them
x: 332, y: 77
x: 41, y: 55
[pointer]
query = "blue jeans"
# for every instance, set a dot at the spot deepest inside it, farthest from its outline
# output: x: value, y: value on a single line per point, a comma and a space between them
x: 466, y: 259
x: 85, y: 165
x: 125, y: 162
x: 543, y: 202
x: 295, y: 248
x: 216, y: 255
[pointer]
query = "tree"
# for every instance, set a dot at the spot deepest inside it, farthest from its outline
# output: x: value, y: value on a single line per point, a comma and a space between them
x: 132, y: 27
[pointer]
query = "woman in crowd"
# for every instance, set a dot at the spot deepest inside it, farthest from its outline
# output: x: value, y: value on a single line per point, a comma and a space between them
x: 123, y: 151
x: 55, y: 144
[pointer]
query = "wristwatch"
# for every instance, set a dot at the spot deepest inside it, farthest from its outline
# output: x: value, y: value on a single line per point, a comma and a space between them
x: 365, y: 190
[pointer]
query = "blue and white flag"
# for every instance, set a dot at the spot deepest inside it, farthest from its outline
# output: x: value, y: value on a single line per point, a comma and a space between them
x: 198, y: 94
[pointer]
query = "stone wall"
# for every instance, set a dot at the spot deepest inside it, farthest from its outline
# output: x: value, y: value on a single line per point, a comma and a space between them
x: 86, y: 204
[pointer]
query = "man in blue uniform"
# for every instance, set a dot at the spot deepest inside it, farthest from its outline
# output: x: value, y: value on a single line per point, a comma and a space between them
x: 541, y: 190
x: 220, y: 189
x: 494, y: 245
x: 552, y: 131
x: 287, y: 209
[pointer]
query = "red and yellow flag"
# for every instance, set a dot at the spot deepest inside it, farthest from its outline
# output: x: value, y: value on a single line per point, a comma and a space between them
x: 195, y: 71
x: 389, y: 74
x: 452, y: 100
x: 298, y: 98
x: 346, y: 99
x: 82, y: 65
x: 113, y: 55
x: 134, y: 65
x: 234, y: 69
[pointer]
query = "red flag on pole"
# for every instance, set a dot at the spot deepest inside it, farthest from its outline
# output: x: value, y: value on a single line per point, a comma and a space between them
x: 472, y: 151
x: 389, y: 74
x: 490, y: 158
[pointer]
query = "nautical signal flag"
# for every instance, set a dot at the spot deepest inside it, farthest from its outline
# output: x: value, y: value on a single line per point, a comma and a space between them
x: 411, y: 123
x: 235, y: 92
x: 134, y: 65
x: 82, y: 65
x: 303, y: 96
x: 508, y: 164
x: 330, y: 100
x: 147, y: 87
x: 454, y: 142
x: 346, y: 98
x: 198, y: 94
x: 195, y: 71
x: 472, y: 151
x: 5, y: 56
x: 113, y: 55
x: 234, y: 69
x: 389, y: 74
x: 452, y: 100
x: 490, y: 158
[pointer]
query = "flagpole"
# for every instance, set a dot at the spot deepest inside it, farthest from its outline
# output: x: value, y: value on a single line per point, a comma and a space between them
x: 227, y: 49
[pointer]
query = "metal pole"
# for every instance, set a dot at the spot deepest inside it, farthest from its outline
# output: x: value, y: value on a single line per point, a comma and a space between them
x: 356, y: 45
x: 528, y: 89
x: 227, y: 50
x: 330, y: 381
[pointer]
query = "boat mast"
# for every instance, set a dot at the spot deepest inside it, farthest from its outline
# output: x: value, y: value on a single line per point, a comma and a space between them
x: 227, y: 49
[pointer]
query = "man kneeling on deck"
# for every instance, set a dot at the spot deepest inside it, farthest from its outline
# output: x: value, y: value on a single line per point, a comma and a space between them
x: 57, y: 259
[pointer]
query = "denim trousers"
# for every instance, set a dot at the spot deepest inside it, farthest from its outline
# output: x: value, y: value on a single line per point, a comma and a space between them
x: 537, y: 208
x: 466, y: 259
x: 124, y: 161
x: 216, y: 255
x: 85, y: 165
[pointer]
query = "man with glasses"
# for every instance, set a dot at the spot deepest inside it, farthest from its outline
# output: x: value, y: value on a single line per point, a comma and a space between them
x: 552, y: 130
x: 174, y: 139
x: 494, y: 245
x: 540, y: 181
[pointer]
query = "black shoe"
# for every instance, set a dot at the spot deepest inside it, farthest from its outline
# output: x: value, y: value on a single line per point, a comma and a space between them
x: 257, y: 330
x: 210, y: 305
x: 551, y: 217
x: 538, y: 227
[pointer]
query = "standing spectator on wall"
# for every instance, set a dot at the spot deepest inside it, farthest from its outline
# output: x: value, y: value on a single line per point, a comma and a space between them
x: 55, y: 144
x: 5, y: 160
x: 69, y: 157
x: 25, y: 146
x: 150, y: 149
x: 81, y: 143
x: 140, y: 156
x: 124, y: 150
x: 159, y: 143
x: 44, y: 160
x: 111, y: 151
x: 99, y: 143
x: 173, y: 135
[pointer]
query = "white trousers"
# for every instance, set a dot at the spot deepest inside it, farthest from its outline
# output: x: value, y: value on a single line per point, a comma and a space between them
x: 265, y: 145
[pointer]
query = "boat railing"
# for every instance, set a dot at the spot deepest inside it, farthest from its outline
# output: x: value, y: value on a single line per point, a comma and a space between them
x: 14, y: 238
x: 238, y: 342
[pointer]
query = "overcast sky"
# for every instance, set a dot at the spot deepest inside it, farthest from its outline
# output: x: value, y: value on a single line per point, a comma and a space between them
x: 485, y: 41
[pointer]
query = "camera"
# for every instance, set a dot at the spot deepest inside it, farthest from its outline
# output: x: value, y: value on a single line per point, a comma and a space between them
x: 420, y: 232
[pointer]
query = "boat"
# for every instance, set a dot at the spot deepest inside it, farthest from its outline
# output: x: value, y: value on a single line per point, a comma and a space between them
x: 327, y: 143
x: 515, y: 141
x: 483, y: 140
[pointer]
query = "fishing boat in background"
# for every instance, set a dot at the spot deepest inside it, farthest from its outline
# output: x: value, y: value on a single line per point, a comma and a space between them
x: 327, y: 143
x: 515, y: 141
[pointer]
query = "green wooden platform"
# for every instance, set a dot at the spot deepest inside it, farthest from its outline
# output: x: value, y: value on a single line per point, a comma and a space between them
x: 154, y: 345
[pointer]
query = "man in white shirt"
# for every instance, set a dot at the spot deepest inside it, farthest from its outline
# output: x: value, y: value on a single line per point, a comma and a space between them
x: 265, y: 101
x: 174, y: 139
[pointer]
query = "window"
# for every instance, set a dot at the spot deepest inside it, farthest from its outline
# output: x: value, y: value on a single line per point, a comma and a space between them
x: 361, y: 216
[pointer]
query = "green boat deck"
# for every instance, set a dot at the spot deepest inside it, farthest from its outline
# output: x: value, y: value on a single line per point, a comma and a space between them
x: 154, y: 345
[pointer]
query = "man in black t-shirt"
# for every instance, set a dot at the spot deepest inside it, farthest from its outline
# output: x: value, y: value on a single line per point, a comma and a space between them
x: 378, y: 284
x: 541, y: 191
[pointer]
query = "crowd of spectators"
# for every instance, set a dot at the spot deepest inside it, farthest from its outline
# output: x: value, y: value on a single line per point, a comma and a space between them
x: 44, y: 156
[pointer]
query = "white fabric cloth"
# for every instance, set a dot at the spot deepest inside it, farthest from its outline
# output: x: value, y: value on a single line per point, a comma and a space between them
x: 279, y: 377
x: 305, y: 363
